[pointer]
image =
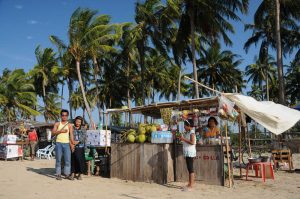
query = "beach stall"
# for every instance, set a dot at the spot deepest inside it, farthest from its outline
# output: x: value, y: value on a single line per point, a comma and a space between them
x: 13, y: 138
x: 150, y: 152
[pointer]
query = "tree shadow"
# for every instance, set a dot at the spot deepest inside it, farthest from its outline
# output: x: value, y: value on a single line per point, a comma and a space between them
x: 49, y: 172
x: 172, y: 186
x: 129, y: 196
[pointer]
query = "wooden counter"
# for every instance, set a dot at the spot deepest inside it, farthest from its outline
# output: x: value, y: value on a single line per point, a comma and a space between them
x: 156, y: 162
x: 208, y: 165
x: 142, y: 162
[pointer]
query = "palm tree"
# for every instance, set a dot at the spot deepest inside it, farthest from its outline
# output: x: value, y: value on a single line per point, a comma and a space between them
x: 112, y: 92
x: 209, y: 19
x: 17, y: 95
x: 129, y: 57
x: 169, y: 85
x: 285, y: 14
x: 100, y: 43
x: 83, y: 32
x: 51, y: 109
x: 67, y: 67
x: 261, y: 72
x: 156, y: 72
x: 293, y: 81
x: 146, y: 17
x: 256, y: 92
x: 44, y: 74
x: 213, y: 67
x: 76, y: 100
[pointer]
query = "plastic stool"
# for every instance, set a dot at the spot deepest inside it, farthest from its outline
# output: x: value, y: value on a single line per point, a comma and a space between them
x: 262, y: 166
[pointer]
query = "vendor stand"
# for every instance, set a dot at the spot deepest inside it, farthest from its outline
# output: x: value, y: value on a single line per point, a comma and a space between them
x: 14, y: 138
x: 163, y: 162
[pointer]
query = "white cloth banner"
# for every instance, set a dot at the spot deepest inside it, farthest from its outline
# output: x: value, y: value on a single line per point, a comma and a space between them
x: 274, y: 117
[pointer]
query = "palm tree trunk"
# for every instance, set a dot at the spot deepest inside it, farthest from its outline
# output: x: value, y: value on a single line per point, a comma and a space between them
x: 62, y: 94
x: 96, y: 71
x: 128, y: 91
x: 192, y: 18
x: 44, y: 90
x: 142, y: 62
x: 279, y: 55
x: 267, y: 86
x: 87, y: 106
x: 179, y: 86
x: 83, y: 113
x: 70, y: 88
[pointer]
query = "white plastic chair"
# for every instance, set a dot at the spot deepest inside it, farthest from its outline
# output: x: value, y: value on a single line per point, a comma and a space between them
x: 48, y: 153
x: 40, y: 151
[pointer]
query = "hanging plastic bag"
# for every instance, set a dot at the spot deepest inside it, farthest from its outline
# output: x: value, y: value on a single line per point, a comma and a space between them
x: 226, y: 109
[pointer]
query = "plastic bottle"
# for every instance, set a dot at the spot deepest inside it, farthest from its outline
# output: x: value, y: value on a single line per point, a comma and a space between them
x: 100, y: 126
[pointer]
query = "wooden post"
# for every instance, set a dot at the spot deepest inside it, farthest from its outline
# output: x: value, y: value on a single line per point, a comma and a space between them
x: 227, y: 153
x: 240, y: 147
x: 249, y: 144
x: 106, y: 118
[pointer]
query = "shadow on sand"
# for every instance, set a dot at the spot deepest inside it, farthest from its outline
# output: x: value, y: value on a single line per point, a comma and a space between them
x: 49, y: 172
x: 129, y: 196
x: 172, y: 186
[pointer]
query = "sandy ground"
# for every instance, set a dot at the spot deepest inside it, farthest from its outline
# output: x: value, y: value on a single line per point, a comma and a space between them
x: 28, y: 180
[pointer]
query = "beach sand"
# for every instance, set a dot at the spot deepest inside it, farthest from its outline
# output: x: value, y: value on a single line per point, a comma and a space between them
x: 35, y: 179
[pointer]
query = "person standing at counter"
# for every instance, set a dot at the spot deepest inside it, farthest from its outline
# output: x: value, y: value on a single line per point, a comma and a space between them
x: 212, y: 129
x: 189, y: 151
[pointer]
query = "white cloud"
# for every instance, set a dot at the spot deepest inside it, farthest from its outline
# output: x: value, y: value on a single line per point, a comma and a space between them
x: 19, y: 7
x: 32, y: 22
x: 29, y: 37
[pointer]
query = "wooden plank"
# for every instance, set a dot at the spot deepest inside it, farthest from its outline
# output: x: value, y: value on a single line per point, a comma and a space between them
x: 208, y: 165
x: 147, y: 169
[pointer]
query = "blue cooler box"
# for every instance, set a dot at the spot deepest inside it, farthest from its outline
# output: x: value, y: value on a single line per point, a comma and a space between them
x: 161, y: 137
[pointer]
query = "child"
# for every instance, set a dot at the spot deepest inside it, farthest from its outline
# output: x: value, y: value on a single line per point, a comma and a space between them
x: 189, y: 151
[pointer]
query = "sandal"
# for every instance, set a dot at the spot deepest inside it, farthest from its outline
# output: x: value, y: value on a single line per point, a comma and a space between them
x: 70, y: 177
x: 79, y: 177
x: 58, y: 177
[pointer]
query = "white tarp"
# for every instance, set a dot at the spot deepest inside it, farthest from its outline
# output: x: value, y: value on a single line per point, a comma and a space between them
x: 274, y: 117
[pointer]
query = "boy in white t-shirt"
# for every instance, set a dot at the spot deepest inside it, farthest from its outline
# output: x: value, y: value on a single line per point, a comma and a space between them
x: 189, y: 151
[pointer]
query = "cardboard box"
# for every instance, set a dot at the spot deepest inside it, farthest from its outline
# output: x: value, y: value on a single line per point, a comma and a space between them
x: 100, y: 138
x: 12, y: 151
x: 9, y: 139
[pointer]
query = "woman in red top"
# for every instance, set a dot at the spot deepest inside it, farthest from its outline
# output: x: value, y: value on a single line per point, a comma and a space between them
x: 33, y: 138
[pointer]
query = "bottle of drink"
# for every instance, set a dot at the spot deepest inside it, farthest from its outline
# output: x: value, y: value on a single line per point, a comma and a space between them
x: 100, y: 127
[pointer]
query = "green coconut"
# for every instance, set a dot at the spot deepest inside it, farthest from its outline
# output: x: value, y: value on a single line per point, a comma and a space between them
x: 148, y: 128
x: 149, y: 138
x: 141, y: 138
x: 153, y: 128
x: 131, y: 138
x: 142, y: 130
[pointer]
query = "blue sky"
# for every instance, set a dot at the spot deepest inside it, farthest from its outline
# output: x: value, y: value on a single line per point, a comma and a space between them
x: 28, y: 23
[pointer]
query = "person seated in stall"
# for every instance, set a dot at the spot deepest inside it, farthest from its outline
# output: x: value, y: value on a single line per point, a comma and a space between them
x: 212, y: 129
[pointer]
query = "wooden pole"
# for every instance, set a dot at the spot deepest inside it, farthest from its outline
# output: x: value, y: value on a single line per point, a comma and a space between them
x: 106, y: 132
x: 227, y: 153
x: 240, y: 147
x: 249, y: 144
